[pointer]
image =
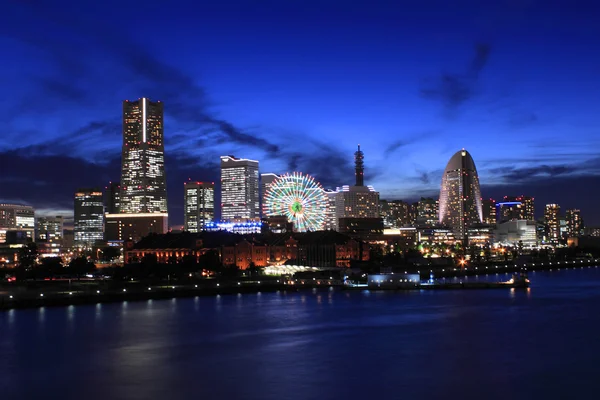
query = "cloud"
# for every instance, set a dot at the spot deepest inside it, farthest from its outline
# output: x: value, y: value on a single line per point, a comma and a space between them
x: 454, y: 89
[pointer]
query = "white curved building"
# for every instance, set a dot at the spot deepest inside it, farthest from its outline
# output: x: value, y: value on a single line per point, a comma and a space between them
x: 460, y: 194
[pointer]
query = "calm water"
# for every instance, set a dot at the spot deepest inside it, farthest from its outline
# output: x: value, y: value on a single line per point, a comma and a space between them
x: 541, y: 343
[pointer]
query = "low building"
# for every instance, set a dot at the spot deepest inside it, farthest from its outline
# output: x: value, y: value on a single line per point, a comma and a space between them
x: 16, y: 217
x: 393, y: 281
x: 122, y: 227
x: 518, y: 230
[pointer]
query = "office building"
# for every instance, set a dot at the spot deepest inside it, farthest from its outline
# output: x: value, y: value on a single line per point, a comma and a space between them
x: 397, y: 213
x: 199, y: 205
x: 489, y: 211
x: 574, y: 222
x: 49, y: 236
x: 515, y: 207
x: 265, y: 183
x: 121, y: 227
x: 143, y: 182
x: 88, y: 225
x: 112, y: 198
x: 552, y: 222
x: 331, y: 221
x: 460, y: 195
x: 239, y: 189
x: 427, y: 212
x: 17, y: 217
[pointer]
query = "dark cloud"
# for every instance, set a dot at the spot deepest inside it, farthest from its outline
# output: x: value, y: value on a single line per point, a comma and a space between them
x: 513, y: 174
x: 454, y: 89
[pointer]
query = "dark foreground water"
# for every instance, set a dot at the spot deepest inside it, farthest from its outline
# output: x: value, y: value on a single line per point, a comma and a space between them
x: 543, y: 343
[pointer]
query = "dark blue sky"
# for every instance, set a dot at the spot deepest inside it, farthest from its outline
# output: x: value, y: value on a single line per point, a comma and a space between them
x: 297, y: 84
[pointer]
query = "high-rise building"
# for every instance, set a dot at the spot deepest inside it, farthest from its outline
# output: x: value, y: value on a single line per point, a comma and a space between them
x: 265, y: 183
x: 489, y: 211
x: 17, y: 217
x: 112, y: 198
x: 331, y: 221
x: 143, y: 181
x: 89, y: 217
x: 574, y: 222
x: 427, y: 211
x: 199, y: 205
x: 396, y: 213
x: 358, y: 205
x: 239, y: 189
x: 515, y: 208
x: 552, y: 222
x: 460, y: 195
x: 49, y: 236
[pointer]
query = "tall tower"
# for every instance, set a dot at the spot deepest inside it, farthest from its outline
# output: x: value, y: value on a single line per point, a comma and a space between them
x: 199, y: 205
x: 239, y: 189
x: 143, y: 181
x: 460, y: 194
x: 359, y: 166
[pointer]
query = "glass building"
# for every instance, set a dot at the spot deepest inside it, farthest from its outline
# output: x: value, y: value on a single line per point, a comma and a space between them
x: 239, y: 189
x: 16, y: 217
x: 199, y: 205
x: 88, y: 226
x: 460, y: 195
x: 143, y: 182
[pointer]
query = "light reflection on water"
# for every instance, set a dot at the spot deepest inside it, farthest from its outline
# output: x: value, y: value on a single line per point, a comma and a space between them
x: 322, y: 344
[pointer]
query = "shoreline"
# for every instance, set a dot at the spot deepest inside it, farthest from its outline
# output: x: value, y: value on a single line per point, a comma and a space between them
x: 55, y: 296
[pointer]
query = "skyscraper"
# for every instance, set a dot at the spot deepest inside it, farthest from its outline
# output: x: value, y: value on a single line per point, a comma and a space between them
x: 49, y: 236
x: 199, y: 205
x: 143, y: 181
x: 89, y: 217
x: 574, y: 222
x: 460, y: 195
x: 552, y: 221
x: 239, y: 188
x: 515, y: 207
x: 427, y: 211
x: 265, y: 182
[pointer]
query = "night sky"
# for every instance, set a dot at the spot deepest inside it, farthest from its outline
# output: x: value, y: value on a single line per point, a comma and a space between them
x: 297, y: 85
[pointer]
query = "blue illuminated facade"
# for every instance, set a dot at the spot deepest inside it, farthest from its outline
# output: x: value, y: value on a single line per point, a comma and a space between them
x: 242, y: 227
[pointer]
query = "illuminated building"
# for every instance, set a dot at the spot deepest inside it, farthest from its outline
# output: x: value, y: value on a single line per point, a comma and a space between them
x: 489, y: 211
x: 242, y: 226
x: 331, y: 221
x: 121, y: 227
x: 239, y: 189
x: 460, y: 195
x: 17, y: 217
x: 49, y: 236
x: 574, y: 222
x: 510, y: 233
x: 88, y: 226
x: 143, y: 181
x: 396, y: 213
x: 112, y: 198
x: 552, y: 222
x: 357, y: 201
x: 520, y: 207
x: 265, y: 183
x: 427, y: 211
x: 199, y: 205
x: 436, y: 235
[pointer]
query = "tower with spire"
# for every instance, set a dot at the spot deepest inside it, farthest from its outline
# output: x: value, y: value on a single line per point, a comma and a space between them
x: 357, y: 206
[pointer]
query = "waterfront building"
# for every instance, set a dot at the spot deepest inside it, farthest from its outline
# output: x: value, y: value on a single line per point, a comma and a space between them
x: 143, y: 181
x: 239, y: 189
x: 49, y: 234
x: 510, y: 233
x: 16, y: 217
x: 199, y: 205
x: 460, y: 195
x: 552, y: 222
x: 88, y: 225
x: 574, y: 222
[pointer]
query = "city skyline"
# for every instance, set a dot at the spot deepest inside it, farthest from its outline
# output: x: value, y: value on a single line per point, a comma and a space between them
x: 377, y: 85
